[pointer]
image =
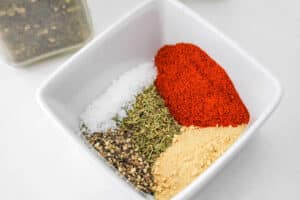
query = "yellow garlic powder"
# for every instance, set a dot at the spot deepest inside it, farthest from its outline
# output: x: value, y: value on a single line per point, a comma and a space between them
x: 190, y: 154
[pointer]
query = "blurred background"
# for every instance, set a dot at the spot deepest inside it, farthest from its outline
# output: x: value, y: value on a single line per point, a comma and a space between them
x: 37, y: 161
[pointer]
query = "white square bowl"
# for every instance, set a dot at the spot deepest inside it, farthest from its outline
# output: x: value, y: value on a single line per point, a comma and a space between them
x: 135, y: 39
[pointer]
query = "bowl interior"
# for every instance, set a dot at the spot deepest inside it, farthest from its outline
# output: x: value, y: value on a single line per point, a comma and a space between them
x: 135, y: 39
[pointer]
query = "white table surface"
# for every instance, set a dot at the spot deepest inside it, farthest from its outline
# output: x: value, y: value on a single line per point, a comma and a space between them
x: 38, y: 161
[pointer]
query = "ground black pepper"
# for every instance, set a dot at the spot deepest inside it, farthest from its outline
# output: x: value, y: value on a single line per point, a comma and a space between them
x: 117, y: 148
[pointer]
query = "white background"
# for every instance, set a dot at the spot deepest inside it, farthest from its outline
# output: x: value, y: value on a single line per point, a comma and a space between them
x: 38, y: 161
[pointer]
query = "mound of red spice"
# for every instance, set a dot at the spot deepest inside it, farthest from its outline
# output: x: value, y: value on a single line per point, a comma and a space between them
x: 196, y: 89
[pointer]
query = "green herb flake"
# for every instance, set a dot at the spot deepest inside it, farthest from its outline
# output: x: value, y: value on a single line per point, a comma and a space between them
x: 150, y: 124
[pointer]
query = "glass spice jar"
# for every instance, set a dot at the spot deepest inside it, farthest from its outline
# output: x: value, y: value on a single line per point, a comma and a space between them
x: 31, y: 30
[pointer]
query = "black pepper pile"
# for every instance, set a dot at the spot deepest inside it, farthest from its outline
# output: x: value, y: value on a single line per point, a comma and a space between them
x: 117, y: 148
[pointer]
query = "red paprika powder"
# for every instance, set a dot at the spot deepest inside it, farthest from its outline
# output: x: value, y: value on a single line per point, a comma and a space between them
x: 196, y: 89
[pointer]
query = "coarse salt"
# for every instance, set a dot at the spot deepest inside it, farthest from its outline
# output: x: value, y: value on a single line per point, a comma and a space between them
x: 119, y: 97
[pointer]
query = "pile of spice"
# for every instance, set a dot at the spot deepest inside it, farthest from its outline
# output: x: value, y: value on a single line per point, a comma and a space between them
x: 117, y: 148
x: 34, y: 28
x: 161, y: 125
x: 111, y: 106
x: 196, y: 149
x: 197, y: 90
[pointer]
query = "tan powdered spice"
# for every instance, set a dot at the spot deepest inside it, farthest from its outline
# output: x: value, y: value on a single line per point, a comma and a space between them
x: 191, y: 153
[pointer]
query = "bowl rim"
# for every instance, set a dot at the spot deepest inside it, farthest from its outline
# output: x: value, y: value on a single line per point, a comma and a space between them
x: 216, y: 166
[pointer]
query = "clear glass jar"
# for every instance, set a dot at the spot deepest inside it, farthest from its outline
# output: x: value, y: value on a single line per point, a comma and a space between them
x: 31, y: 30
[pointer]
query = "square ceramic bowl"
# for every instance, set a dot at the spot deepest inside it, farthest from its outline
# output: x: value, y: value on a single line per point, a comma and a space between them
x: 135, y: 39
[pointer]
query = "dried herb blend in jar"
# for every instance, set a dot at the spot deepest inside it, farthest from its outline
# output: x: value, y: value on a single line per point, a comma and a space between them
x: 34, y: 29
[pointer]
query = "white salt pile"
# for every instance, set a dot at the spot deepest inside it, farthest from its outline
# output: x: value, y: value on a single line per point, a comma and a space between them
x: 98, y: 116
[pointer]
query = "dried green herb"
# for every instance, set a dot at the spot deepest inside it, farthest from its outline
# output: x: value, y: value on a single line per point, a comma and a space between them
x: 150, y: 124
x: 35, y: 28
